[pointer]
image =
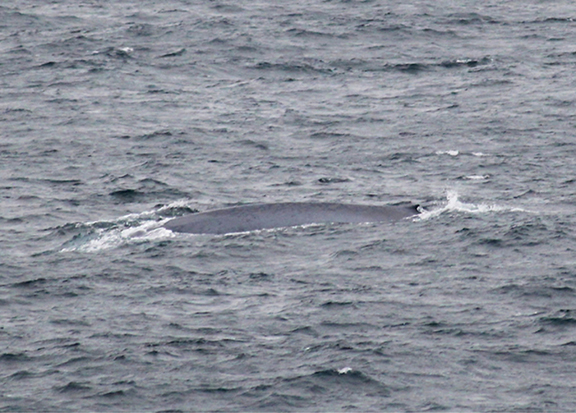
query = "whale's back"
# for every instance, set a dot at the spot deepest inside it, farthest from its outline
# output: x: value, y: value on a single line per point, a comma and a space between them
x: 265, y: 216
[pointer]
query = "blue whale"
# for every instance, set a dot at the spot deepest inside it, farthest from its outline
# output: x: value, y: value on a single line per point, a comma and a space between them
x: 288, y: 214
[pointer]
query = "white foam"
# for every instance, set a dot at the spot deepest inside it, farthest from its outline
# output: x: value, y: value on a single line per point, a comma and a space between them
x: 455, y: 205
x: 115, y: 237
x: 450, y: 152
x: 128, y: 229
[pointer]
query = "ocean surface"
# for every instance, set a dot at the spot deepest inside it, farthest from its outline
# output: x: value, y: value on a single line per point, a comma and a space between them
x: 116, y: 116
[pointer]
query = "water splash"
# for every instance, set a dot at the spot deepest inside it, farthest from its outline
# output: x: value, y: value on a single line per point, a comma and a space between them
x: 476, y: 177
x: 448, y: 152
x: 128, y: 229
x: 107, y: 238
x: 453, y: 204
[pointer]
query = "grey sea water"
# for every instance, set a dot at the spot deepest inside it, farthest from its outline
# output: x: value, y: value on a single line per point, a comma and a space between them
x: 117, y: 116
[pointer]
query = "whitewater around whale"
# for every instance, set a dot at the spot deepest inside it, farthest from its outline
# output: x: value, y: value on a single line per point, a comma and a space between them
x: 252, y: 217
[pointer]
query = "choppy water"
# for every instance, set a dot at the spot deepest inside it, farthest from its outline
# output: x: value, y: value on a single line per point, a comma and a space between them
x: 115, y: 116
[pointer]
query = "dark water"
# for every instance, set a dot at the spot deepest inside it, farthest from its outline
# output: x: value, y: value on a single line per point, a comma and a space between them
x: 115, y: 116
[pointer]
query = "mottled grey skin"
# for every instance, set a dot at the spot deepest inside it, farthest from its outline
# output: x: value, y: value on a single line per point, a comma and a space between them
x: 264, y: 216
